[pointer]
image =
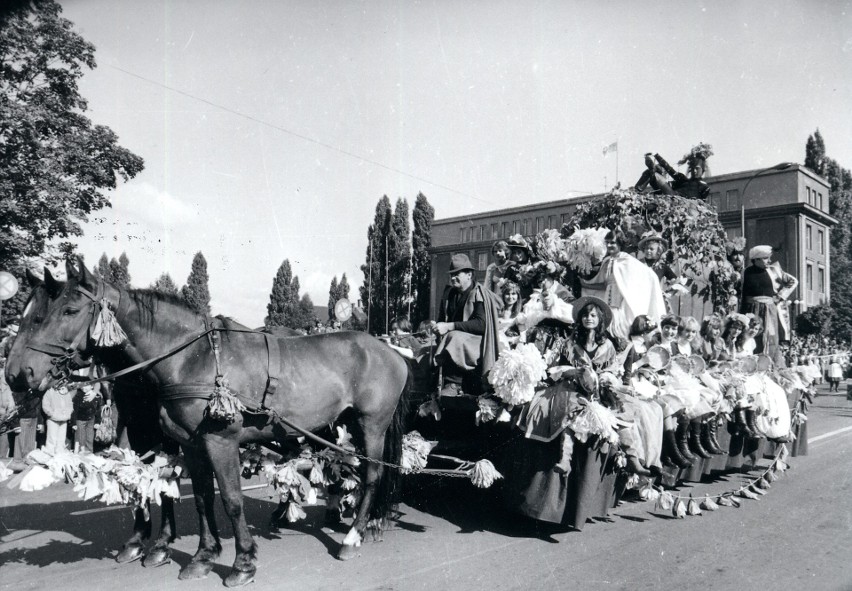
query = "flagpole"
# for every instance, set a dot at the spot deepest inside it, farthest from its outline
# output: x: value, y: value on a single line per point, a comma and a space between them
x: 616, y: 163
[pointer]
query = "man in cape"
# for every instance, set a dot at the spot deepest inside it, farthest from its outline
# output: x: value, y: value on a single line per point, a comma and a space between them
x: 628, y: 286
x: 765, y: 290
x: 467, y: 321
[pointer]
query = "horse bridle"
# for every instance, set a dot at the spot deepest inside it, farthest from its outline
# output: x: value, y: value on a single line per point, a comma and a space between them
x: 67, y: 358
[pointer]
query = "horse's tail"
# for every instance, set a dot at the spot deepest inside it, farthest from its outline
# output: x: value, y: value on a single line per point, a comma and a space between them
x: 387, y: 492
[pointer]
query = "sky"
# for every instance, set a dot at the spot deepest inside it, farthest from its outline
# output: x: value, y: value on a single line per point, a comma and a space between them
x: 270, y: 130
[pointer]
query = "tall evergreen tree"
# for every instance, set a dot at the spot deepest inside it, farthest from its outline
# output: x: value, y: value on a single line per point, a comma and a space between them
x: 375, y: 276
x: 421, y: 264
x: 103, y: 268
x: 124, y: 265
x: 815, y: 153
x: 306, y: 312
x: 280, y: 307
x: 114, y: 273
x: 196, y: 292
x: 333, y: 296
x: 399, y: 260
x: 165, y: 284
x: 343, y: 287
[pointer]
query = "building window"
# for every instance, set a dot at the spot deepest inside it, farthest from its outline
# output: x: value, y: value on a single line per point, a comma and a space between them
x: 733, y: 199
x: 551, y: 221
x: 820, y: 200
x: 808, y: 237
x: 539, y: 224
x: 821, y: 240
x: 461, y: 235
x: 716, y: 200
x: 504, y: 230
x: 469, y: 234
x: 566, y: 218
x: 808, y: 189
x: 516, y: 226
x: 481, y: 260
x: 821, y: 279
x: 809, y: 277
x: 494, y: 234
x: 527, y: 226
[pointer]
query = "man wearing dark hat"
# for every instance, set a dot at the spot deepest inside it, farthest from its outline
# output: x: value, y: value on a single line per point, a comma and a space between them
x: 467, y: 321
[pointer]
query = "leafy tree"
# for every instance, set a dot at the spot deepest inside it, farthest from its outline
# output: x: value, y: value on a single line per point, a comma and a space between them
x: 399, y: 260
x: 375, y: 275
x: 165, y: 284
x: 124, y: 264
x: 333, y: 296
x: 306, y: 312
x: 815, y: 320
x: 196, y: 293
x: 56, y: 166
x: 280, y: 307
x: 840, y: 245
x: 421, y: 265
x: 114, y: 276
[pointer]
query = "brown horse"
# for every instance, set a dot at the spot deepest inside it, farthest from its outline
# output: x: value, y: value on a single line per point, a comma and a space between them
x: 135, y: 406
x: 320, y: 377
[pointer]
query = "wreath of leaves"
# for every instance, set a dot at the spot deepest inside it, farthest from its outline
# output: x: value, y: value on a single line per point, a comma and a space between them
x: 691, y: 227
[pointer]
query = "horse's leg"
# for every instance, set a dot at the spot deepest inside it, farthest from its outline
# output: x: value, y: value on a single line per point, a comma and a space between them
x: 374, y: 444
x: 134, y: 548
x: 224, y: 455
x: 160, y: 553
x: 209, y: 547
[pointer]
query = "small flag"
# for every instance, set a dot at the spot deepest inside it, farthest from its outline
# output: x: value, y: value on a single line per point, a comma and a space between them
x: 613, y: 147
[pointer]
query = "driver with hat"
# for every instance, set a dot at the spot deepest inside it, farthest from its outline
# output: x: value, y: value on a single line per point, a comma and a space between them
x: 467, y: 321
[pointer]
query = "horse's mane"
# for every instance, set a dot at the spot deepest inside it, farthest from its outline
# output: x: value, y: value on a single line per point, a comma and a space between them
x: 147, y: 300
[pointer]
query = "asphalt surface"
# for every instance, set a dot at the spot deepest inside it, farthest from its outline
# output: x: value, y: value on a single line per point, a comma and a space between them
x: 452, y: 536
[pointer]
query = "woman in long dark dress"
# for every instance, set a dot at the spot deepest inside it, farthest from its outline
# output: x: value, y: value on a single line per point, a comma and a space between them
x: 539, y: 484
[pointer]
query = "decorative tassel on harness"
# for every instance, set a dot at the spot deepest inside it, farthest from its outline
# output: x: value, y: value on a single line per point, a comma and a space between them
x: 107, y: 332
x: 224, y: 405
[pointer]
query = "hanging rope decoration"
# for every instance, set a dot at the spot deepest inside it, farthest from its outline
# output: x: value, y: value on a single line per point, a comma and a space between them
x: 107, y: 332
x: 224, y: 405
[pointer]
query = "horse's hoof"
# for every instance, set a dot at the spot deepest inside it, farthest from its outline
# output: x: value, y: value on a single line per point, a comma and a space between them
x: 157, y: 557
x: 348, y: 552
x: 130, y: 553
x: 195, y: 570
x: 238, y: 578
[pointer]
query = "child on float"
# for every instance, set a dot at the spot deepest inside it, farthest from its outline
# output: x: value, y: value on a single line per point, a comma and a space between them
x: 712, y: 347
x: 506, y: 321
x: 495, y: 273
x: 668, y: 332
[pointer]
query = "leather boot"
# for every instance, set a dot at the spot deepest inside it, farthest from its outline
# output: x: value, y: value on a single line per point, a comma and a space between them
x: 740, y: 426
x: 705, y: 439
x: 749, y: 417
x: 634, y: 466
x: 670, y: 454
x: 712, y: 428
x: 695, y: 440
x: 25, y: 442
x: 682, y: 436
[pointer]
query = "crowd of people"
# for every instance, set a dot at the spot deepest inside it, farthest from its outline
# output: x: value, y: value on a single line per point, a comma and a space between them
x: 565, y: 356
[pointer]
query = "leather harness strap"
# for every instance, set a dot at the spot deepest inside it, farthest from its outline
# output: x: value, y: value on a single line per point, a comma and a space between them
x: 273, y: 367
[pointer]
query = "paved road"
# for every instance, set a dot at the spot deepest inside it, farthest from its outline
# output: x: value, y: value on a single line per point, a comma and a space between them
x: 796, y: 537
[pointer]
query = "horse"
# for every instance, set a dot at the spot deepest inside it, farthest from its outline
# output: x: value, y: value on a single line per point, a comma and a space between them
x: 321, y: 376
x: 144, y: 433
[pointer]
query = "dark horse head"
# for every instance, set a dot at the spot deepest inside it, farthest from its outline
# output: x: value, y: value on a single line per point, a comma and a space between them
x: 53, y: 336
x: 35, y: 310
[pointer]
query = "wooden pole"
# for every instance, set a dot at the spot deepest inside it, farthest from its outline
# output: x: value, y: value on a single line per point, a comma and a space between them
x: 370, y: 285
x: 387, y: 281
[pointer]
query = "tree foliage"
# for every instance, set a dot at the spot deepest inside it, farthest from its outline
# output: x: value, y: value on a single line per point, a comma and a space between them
x: 815, y: 320
x: 55, y: 164
x: 280, y: 307
x: 840, y: 245
x: 196, y: 292
x: 165, y: 284
x: 375, y: 275
x: 399, y: 260
x: 333, y: 296
x: 421, y: 265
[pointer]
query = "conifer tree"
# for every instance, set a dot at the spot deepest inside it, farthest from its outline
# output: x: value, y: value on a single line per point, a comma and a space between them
x: 375, y: 276
x: 333, y: 296
x: 343, y: 287
x: 103, y: 268
x: 124, y: 264
x: 196, y: 292
x: 399, y: 260
x: 165, y: 284
x: 279, y: 309
x: 421, y: 265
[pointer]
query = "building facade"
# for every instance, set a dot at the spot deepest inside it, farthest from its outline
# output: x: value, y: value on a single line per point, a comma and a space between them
x: 786, y: 208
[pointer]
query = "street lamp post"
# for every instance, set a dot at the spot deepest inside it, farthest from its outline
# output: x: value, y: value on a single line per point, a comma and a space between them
x: 780, y: 166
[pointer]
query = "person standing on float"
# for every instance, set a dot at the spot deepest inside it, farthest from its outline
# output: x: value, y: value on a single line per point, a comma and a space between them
x: 766, y: 288
x: 629, y: 287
